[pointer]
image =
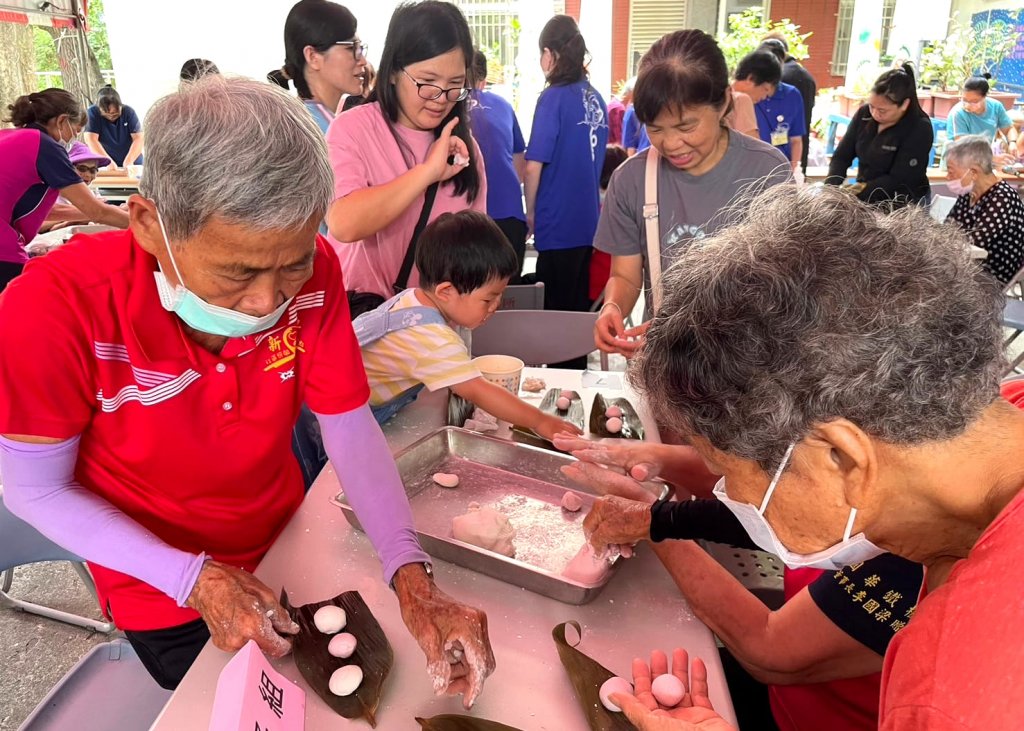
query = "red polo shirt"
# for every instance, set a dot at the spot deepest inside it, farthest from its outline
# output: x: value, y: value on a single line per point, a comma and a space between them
x: 194, y: 446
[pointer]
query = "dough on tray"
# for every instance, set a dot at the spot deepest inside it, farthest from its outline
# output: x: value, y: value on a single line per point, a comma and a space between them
x: 585, y: 567
x: 487, y: 528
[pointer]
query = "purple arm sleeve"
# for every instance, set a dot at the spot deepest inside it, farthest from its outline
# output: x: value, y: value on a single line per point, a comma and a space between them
x: 361, y: 457
x: 40, y: 488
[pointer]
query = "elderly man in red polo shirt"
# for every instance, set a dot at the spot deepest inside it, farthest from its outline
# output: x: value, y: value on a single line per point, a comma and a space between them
x: 151, y: 378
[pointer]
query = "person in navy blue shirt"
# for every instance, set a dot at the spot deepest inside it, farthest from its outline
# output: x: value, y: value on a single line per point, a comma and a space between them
x: 113, y: 129
x: 496, y: 130
x: 563, y: 168
x: 779, y: 106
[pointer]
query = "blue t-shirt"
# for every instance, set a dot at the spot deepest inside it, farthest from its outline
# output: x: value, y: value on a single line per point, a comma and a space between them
x: 570, y: 133
x: 634, y: 134
x: 321, y: 116
x: 784, y: 107
x: 496, y: 130
x: 993, y: 118
x: 116, y: 137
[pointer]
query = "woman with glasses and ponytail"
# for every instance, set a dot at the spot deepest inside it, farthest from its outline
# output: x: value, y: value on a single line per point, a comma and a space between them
x: 324, y: 59
x: 564, y: 159
x: 406, y: 156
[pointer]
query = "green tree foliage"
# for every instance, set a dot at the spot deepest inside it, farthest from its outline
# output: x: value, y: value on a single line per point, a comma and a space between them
x: 46, y: 53
x: 748, y: 29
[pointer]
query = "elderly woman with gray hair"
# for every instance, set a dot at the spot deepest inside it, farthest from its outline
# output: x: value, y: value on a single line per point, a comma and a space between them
x: 849, y: 396
x: 987, y: 208
x: 149, y: 430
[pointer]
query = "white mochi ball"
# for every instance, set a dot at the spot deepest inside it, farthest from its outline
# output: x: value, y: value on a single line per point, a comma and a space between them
x: 668, y: 690
x: 610, y: 686
x: 342, y: 645
x: 330, y: 619
x: 345, y: 680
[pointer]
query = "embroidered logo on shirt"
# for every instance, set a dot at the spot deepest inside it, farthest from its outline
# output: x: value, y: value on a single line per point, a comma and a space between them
x: 283, y: 348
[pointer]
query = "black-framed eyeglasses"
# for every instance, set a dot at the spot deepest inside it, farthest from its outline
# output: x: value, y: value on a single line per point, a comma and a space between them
x: 358, y: 48
x: 82, y: 168
x: 430, y: 92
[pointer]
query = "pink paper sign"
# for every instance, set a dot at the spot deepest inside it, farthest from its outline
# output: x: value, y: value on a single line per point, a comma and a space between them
x: 252, y: 696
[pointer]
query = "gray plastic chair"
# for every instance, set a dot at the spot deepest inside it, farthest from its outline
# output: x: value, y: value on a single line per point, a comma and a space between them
x: 108, y: 690
x: 760, y: 572
x: 1013, y: 318
x: 523, y: 297
x: 537, y: 337
x: 22, y: 544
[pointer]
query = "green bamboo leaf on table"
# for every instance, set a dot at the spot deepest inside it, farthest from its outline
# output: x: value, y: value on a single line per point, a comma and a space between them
x: 587, y: 676
x: 373, y: 655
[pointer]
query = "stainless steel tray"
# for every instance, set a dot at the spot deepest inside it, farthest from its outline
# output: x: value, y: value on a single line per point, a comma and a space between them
x: 520, y: 480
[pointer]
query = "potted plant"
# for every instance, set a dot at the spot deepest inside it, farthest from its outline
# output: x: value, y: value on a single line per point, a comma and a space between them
x: 964, y: 52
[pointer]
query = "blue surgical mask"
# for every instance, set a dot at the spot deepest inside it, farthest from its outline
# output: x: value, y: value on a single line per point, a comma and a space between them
x: 199, y: 314
x: 848, y: 551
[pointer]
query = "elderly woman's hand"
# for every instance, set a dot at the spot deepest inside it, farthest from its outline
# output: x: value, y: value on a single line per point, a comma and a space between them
x: 452, y: 635
x: 694, y: 712
x: 616, y: 521
x: 238, y: 607
x: 448, y: 156
x: 612, y: 466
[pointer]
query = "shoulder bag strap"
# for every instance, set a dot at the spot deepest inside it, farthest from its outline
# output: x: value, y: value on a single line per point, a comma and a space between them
x: 651, y: 227
x: 410, y: 252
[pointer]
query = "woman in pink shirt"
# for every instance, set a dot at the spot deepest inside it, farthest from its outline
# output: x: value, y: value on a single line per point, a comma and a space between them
x: 36, y: 169
x: 412, y: 135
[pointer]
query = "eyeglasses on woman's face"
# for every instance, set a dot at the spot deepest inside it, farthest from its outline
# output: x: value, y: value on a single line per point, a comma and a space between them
x: 357, y: 47
x: 430, y: 92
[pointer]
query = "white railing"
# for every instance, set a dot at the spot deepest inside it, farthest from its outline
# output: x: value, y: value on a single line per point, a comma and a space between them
x: 47, y: 79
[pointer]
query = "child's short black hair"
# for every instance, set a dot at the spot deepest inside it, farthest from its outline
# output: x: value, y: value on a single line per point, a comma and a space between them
x: 465, y: 248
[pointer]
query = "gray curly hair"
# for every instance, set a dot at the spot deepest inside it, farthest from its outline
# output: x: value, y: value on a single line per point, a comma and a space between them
x: 814, y: 307
x: 236, y: 148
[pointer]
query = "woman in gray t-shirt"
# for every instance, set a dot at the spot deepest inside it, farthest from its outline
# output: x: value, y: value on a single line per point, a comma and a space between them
x: 682, y: 96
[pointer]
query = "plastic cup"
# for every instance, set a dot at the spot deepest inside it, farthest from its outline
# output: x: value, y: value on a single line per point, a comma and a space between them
x: 501, y: 370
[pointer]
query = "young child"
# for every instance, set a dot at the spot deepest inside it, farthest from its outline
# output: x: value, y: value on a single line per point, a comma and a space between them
x: 464, y: 263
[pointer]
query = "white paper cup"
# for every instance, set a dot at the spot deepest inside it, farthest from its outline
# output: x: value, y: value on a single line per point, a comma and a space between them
x: 501, y: 370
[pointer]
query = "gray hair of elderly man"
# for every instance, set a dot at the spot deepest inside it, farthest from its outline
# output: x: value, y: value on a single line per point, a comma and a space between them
x: 239, y: 149
x: 814, y: 307
x: 971, y: 150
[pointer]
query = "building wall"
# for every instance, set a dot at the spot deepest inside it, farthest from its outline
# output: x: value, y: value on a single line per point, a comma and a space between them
x: 817, y: 17
x: 620, y: 42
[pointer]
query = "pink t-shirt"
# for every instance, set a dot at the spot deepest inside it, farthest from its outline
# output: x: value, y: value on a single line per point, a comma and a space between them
x: 363, y: 154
